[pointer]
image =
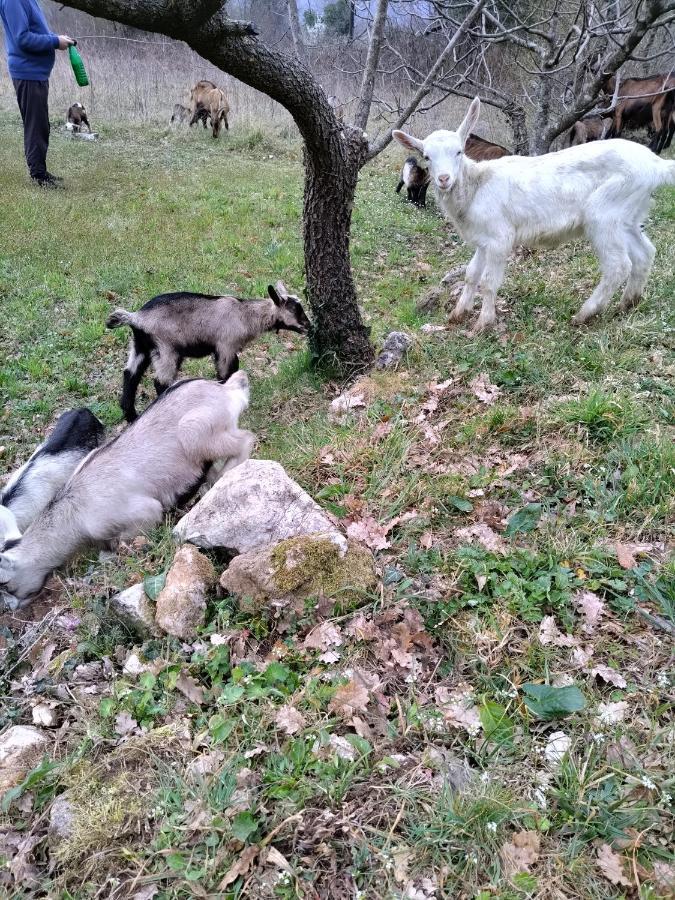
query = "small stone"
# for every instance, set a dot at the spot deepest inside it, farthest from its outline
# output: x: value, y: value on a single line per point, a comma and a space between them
x: 134, y: 608
x: 21, y: 747
x: 43, y: 714
x: 396, y: 344
x: 181, y: 604
x: 431, y: 300
x: 251, y: 506
x: 61, y: 821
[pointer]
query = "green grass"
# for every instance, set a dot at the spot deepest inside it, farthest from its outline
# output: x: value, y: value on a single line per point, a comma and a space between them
x: 574, y: 455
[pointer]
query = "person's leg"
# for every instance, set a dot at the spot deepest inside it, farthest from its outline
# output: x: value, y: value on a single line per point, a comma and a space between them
x: 32, y: 97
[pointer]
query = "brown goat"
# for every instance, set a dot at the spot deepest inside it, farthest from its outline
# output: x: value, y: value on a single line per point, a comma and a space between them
x: 209, y: 101
x: 643, y: 103
x: 478, y: 149
x: 590, y: 128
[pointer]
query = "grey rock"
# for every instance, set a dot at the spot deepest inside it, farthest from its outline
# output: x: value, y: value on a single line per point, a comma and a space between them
x: 251, y: 506
x: 181, y: 604
x: 136, y: 610
x: 396, y: 344
x: 21, y: 747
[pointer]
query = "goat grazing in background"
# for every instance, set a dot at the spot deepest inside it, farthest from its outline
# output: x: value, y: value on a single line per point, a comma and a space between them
x: 181, y: 114
x: 127, y: 485
x: 478, y: 149
x: 33, y: 486
x: 600, y: 191
x: 416, y: 181
x: 209, y: 101
x: 590, y: 128
x: 76, y: 117
x: 171, y: 327
x: 643, y: 103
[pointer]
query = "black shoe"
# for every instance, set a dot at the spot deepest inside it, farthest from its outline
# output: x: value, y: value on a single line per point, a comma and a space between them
x: 47, y: 182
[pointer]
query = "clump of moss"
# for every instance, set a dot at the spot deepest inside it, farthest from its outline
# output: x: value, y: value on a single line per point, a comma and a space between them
x: 313, y: 565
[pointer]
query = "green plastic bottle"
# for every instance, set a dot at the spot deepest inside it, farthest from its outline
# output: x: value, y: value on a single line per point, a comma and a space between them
x: 78, y: 67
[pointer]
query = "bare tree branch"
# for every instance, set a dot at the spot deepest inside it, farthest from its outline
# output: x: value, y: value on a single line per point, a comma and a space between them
x: 296, y: 32
x: 372, y: 60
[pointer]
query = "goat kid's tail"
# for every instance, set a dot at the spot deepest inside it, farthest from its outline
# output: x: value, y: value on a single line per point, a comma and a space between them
x: 119, y: 318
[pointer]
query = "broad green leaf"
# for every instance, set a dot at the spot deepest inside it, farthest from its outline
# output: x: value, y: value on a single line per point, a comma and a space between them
x: 231, y: 693
x: 34, y: 777
x: 460, y: 503
x: 153, y: 584
x: 243, y: 826
x: 221, y: 728
x: 360, y: 744
x: 548, y: 702
x: 106, y: 707
x: 497, y: 724
x: 526, y: 519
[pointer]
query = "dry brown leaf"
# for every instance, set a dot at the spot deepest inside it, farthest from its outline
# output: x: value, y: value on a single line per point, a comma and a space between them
x: 549, y: 634
x: 190, y: 688
x: 609, y: 675
x: 125, y: 723
x: 322, y: 637
x: 401, y: 857
x: 289, y: 719
x: 609, y: 864
x: 275, y: 858
x: 349, y: 698
x: 484, y: 389
x: 330, y: 656
x: 362, y: 629
x: 521, y: 852
x: 343, y: 749
x: 591, y: 606
x: 463, y: 715
x: 369, y: 532
x: 483, y: 535
x: 362, y: 728
x: 664, y: 878
x: 626, y: 553
x: 426, y: 540
x: 240, y: 867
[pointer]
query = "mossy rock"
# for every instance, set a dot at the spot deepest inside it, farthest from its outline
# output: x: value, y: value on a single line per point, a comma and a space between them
x: 299, y: 567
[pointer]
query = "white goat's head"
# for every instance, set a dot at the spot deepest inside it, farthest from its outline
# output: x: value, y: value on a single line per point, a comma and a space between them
x: 444, y: 150
x: 9, y: 530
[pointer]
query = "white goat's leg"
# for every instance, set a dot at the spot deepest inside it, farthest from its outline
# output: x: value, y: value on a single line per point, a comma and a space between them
x: 237, y: 450
x: 141, y: 513
x: 471, y: 278
x: 641, y: 252
x: 491, y: 281
x: 615, y: 265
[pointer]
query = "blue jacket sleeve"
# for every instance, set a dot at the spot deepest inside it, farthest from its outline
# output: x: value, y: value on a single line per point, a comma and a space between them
x: 19, y: 27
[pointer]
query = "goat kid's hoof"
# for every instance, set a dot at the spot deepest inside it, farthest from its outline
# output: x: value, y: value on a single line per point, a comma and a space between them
x: 629, y: 303
x: 482, y: 327
x: 458, y: 315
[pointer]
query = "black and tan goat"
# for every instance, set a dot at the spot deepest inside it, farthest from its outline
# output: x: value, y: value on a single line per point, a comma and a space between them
x: 33, y: 486
x: 127, y: 485
x: 76, y: 118
x: 415, y: 179
x: 173, y: 327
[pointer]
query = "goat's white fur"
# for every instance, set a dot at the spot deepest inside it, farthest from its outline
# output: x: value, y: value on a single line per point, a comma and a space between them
x: 599, y: 190
x: 126, y: 485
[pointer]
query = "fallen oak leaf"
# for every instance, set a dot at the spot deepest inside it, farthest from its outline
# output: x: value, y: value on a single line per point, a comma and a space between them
x: 190, y: 688
x: 626, y: 553
x: 521, y: 852
x: 289, y: 719
x: 484, y: 390
x: 349, y: 698
x: 609, y: 675
x: 609, y: 864
x: 591, y: 606
x: 125, y: 723
x: 240, y: 867
x: 322, y: 637
x: 484, y: 535
x: 369, y: 532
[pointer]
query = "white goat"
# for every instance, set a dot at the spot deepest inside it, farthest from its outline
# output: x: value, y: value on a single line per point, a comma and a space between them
x: 600, y: 191
x: 125, y: 486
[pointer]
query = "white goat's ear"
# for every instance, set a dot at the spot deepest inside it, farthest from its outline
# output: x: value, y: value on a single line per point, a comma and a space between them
x: 470, y: 120
x: 276, y: 299
x: 412, y: 143
x: 281, y: 289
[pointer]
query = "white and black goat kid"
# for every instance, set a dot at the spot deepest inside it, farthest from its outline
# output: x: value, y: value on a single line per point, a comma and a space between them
x: 415, y: 179
x: 158, y: 462
x: 32, y: 487
x: 171, y: 327
x: 600, y: 191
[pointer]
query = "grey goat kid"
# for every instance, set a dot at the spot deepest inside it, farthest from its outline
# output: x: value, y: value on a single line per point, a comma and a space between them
x: 171, y: 327
x: 32, y: 487
x: 125, y: 486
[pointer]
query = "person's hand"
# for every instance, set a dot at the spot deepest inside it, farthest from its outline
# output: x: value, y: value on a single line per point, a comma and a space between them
x: 65, y: 42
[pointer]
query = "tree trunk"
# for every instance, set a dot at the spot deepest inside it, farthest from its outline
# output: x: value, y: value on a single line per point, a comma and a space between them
x: 332, y: 157
x: 296, y: 31
x: 518, y: 121
x: 339, y: 337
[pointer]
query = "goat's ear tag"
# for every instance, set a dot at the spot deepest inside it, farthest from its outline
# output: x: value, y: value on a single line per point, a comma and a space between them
x: 273, y: 294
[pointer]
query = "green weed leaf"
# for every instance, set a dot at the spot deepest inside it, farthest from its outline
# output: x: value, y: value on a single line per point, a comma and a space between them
x: 547, y: 702
x: 153, y: 584
x: 243, y: 826
x: 526, y: 519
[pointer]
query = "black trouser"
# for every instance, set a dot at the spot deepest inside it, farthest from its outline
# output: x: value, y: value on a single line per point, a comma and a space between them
x: 33, y: 102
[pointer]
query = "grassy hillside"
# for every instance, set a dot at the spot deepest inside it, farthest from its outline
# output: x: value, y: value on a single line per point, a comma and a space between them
x: 516, y: 480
